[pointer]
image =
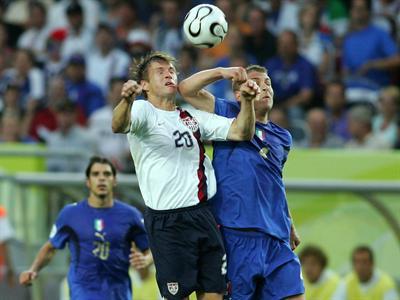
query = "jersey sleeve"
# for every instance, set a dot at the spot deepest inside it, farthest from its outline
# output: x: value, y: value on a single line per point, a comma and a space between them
x: 59, y: 234
x: 138, y: 233
x: 212, y: 126
x: 139, y: 116
x: 226, y: 108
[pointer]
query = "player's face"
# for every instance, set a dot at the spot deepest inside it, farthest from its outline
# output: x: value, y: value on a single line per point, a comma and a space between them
x: 162, y: 79
x: 266, y: 101
x: 101, y: 180
x: 312, y: 268
x: 363, y: 266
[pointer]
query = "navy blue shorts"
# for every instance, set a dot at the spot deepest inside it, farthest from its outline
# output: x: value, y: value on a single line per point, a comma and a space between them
x: 260, y: 266
x: 188, y: 251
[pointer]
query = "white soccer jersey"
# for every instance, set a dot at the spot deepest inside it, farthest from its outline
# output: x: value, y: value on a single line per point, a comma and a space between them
x: 166, y: 146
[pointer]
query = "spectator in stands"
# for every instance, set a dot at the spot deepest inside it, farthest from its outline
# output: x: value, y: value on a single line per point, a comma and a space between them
x: 260, y: 43
x: 6, y: 234
x: 293, y: 76
x: 44, y: 117
x: 113, y: 146
x: 127, y: 19
x: 320, y: 282
x: 80, y: 37
x: 384, y: 123
x: 54, y: 64
x: 35, y: 36
x: 335, y: 105
x: 397, y: 142
x: 368, y: 54
x: 106, y: 61
x: 138, y: 43
x: 58, y: 16
x: 11, y: 98
x: 28, y: 77
x: 68, y: 137
x: 360, y: 128
x: 278, y: 116
x: 318, y: 134
x: 366, y: 282
x: 87, y: 95
x: 283, y: 15
x: 13, y: 30
x: 188, y: 58
x: 11, y: 127
x: 315, y: 45
x: 167, y: 30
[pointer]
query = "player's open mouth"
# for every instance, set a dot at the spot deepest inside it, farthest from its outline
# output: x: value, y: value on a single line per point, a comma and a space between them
x: 170, y: 84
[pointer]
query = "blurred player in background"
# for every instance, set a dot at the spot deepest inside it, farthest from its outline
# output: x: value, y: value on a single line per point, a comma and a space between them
x: 320, y: 282
x: 99, y: 231
x: 6, y: 234
x: 175, y: 176
x: 250, y: 204
x: 366, y: 282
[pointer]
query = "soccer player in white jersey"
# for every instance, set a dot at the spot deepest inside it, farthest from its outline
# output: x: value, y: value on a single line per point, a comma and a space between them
x: 175, y: 176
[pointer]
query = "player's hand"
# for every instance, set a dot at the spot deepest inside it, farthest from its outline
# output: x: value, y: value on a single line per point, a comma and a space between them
x: 237, y: 74
x: 130, y: 90
x: 249, y: 90
x: 294, y: 238
x: 137, y: 259
x: 26, y: 277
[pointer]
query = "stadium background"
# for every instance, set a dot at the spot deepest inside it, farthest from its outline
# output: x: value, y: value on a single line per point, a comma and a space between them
x: 336, y: 221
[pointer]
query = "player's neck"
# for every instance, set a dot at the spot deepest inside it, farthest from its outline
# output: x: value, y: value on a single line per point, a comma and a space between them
x: 100, y: 202
x: 262, y: 118
x: 164, y: 103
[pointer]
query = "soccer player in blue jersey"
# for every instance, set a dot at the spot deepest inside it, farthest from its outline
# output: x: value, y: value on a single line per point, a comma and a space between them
x: 250, y: 204
x: 100, y: 232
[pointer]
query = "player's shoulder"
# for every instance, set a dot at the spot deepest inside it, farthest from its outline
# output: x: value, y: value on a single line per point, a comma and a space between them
x: 70, y: 210
x: 129, y: 209
x: 227, y: 108
x: 228, y: 102
x: 283, y: 133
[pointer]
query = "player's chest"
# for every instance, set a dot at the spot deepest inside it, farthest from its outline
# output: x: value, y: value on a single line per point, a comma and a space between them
x: 102, y: 229
x: 270, y: 149
x: 173, y: 134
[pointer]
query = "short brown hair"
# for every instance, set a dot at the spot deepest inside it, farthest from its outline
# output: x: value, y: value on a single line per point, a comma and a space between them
x: 139, y: 67
x: 316, y: 252
x: 100, y: 160
x: 251, y: 68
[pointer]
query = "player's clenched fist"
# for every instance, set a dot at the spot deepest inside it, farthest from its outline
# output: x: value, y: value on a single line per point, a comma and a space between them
x: 237, y: 74
x: 130, y: 90
x: 249, y: 90
x: 27, y: 277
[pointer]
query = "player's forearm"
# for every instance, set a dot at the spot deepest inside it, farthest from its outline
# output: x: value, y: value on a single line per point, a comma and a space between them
x: 121, y: 116
x: 243, y: 127
x: 195, y: 83
x: 44, y: 256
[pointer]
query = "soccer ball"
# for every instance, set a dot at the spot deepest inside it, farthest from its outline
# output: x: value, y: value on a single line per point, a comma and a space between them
x: 205, y: 26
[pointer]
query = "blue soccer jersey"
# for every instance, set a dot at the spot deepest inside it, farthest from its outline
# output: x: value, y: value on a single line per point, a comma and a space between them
x: 250, y: 191
x: 99, y: 240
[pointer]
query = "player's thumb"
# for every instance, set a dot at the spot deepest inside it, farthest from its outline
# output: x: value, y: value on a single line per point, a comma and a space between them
x: 134, y: 248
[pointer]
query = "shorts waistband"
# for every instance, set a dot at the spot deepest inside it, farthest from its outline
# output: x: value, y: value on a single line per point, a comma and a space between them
x: 176, y: 210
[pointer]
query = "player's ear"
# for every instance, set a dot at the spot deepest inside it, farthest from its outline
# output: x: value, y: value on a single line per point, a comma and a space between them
x: 145, y: 85
x: 87, y: 183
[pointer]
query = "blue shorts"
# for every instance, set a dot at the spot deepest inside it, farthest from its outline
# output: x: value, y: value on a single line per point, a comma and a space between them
x: 260, y: 266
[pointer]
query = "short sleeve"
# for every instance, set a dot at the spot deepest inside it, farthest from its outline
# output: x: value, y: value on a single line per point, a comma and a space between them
x: 226, y: 108
x: 139, y: 116
x: 138, y: 232
x: 212, y: 126
x: 60, y: 232
x: 389, y: 47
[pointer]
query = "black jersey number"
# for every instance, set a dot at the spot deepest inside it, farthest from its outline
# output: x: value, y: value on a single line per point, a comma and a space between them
x: 183, y: 139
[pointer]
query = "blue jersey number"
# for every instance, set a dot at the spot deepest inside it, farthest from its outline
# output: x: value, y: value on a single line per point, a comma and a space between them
x: 183, y: 139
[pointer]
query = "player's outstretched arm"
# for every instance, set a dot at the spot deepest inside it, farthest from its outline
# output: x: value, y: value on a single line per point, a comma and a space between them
x: 44, y: 256
x: 138, y: 259
x: 122, y: 112
x: 192, y: 88
x: 243, y: 126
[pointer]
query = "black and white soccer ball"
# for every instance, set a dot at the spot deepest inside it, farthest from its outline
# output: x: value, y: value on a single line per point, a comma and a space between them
x: 205, y: 26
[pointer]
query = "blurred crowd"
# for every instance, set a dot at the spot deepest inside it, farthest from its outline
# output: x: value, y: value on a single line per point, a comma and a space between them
x: 334, y: 67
